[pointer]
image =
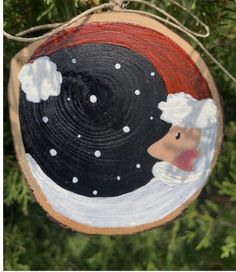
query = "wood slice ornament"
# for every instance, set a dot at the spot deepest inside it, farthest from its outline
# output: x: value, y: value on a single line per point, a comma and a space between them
x: 116, y: 123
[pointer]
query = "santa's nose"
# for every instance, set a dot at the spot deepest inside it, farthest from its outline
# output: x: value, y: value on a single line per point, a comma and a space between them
x: 178, y: 147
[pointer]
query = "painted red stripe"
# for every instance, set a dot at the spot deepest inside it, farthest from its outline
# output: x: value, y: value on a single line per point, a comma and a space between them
x: 174, y: 65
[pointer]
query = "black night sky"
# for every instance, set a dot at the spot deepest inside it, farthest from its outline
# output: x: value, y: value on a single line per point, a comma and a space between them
x: 92, y: 139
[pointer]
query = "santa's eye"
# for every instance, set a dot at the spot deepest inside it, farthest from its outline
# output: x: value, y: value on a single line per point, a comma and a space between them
x: 177, y: 135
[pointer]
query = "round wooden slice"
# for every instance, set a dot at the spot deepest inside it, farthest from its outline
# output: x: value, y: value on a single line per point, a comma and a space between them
x: 116, y: 123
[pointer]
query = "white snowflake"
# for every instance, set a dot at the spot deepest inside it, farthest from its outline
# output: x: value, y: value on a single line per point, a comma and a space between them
x: 117, y: 66
x: 126, y: 129
x: 97, y: 153
x: 75, y: 180
x: 53, y: 152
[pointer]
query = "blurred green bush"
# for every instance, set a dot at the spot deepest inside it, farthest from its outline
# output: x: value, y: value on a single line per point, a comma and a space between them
x: 203, y: 237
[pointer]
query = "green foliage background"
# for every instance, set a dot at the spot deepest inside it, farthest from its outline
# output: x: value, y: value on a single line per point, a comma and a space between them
x: 203, y: 237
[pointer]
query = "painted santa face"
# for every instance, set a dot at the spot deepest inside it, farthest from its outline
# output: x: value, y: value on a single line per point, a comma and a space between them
x: 178, y: 147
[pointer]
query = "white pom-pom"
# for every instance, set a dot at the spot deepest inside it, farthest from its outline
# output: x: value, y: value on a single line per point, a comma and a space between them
x: 183, y: 110
x: 40, y: 79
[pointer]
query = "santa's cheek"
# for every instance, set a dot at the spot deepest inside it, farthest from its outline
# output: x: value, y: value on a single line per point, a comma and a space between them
x: 186, y: 159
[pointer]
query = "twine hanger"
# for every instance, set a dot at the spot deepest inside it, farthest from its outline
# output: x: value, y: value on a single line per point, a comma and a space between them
x: 120, y: 5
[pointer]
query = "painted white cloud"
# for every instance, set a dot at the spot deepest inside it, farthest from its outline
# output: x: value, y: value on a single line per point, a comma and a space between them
x: 40, y: 79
